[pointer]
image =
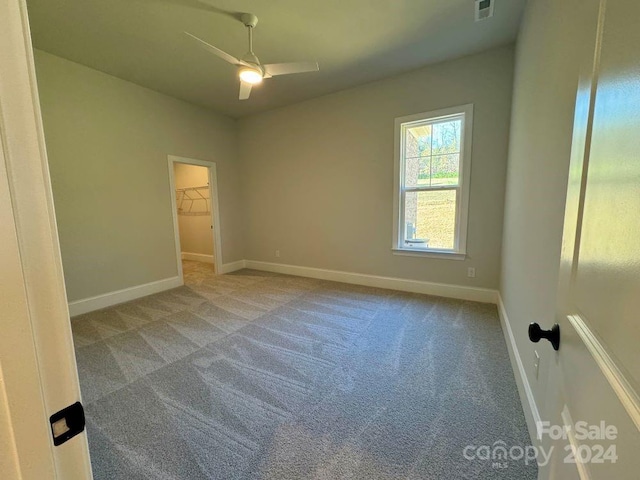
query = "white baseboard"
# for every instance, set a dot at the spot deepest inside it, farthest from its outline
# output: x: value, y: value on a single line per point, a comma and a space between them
x: 232, y: 267
x: 484, y: 295
x: 120, y: 296
x: 531, y: 412
x: 197, y: 257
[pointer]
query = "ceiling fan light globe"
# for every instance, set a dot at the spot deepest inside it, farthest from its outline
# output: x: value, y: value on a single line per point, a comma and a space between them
x: 251, y: 76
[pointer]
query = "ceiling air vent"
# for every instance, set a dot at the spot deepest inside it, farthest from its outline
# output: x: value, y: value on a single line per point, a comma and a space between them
x: 484, y: 9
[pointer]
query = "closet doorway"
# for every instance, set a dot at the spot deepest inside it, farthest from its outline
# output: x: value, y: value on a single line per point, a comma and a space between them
x: 196, y: 218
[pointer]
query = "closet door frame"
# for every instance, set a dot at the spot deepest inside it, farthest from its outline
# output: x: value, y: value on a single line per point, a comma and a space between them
x: 215, y: 210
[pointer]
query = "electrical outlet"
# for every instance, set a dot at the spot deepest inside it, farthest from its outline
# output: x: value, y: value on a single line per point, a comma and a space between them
x: 536, y: 362
x: 471, y: 272
x: 278, y: 253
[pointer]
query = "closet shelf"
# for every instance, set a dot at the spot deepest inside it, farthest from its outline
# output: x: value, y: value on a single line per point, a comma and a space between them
x: 193, y: 201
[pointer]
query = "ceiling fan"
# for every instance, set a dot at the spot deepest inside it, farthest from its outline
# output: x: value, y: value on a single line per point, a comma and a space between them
x: 250, y: 70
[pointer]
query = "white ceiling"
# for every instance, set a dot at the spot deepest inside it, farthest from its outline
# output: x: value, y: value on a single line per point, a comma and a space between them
x: 354, y: 41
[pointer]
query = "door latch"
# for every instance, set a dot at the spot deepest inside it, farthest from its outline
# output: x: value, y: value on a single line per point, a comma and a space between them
x: 67, y: 423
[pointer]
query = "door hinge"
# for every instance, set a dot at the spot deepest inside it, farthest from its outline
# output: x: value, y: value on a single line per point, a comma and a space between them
x: 67, y: 423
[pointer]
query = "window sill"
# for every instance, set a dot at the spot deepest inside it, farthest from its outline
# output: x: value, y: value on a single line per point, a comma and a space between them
x: 407, y: 252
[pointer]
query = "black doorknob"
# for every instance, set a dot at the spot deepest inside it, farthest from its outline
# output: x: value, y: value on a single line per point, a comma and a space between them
x: 553, y: 335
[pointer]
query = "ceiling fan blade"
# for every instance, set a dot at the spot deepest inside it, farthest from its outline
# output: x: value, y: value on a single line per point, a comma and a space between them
x: 273, y: 69
x: 245, y: 90
x: 216, y: 51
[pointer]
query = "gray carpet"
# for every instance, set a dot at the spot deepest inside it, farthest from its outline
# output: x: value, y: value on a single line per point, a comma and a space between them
x: 264, y: 376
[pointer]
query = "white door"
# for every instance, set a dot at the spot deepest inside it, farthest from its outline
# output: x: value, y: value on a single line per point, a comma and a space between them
x: 38, y: 375
x: 595, y: 379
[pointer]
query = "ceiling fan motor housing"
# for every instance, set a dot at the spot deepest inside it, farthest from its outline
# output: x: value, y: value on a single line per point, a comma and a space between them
x: 251, y: 58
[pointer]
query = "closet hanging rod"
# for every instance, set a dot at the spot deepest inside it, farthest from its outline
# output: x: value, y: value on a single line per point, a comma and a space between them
x: 191, y: 188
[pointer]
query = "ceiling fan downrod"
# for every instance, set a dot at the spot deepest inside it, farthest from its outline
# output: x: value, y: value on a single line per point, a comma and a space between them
x: 250, y: 21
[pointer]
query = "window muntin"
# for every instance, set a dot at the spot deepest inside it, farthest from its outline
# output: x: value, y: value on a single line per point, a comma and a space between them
x: 432, y: 159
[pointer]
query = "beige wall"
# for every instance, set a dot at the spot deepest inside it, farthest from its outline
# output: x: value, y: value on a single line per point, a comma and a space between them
x: 108, y: 142
x: 318, y: 175
x: 541, y: 126
x: 196, y: 235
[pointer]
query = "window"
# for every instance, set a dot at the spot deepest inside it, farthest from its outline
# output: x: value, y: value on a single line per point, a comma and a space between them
x: 432, y: 167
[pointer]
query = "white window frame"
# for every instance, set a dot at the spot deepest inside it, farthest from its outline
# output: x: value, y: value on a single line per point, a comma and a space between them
x: 462, y: 198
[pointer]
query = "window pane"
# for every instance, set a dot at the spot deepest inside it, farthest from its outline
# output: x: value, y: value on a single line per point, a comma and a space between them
x: 417, y: 141
x: 416, y: 171
x: 430, y: 219
x: 445, y: 169
x: 446, y: 137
